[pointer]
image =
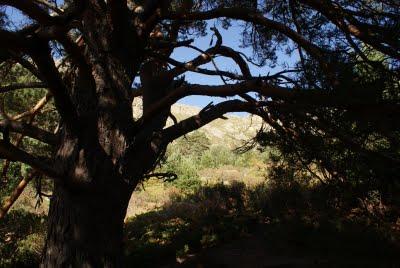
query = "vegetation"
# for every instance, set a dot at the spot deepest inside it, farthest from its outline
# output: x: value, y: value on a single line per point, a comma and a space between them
x: 22, y: 239
x: 295, y: 220
x: 290, y: 220
x: 71, y: 69
x: 315, y: 224
x: 194, y: 153
x: 18, y: 106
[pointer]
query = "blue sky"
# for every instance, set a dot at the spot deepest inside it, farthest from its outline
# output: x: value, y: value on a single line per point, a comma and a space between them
x: 231, y: 37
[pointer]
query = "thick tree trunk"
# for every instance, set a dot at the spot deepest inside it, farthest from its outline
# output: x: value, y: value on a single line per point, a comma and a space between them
x: 85, y: 229
x: 105, y: 153
x: 87, y: 210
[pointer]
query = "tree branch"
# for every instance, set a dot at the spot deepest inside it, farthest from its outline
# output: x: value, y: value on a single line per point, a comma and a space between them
x: 31, y: 9
x: 15, y: 194
x: 248, y: 15
x: 257, y: 85
x: 237, y: 58
x: 31, y: 114
x: 29, y: 130
x: 162, y: 44
x: 17, y: 86
x: 53, y: 79
x: 36, y: 109
x: 12, y: 153
x: 13, y: 41
x: 339, y: 16
x: 50, y: 6
x: 203, y: 58
x: 207, y: 115
x: 27, y: 65
x: 190, y: 68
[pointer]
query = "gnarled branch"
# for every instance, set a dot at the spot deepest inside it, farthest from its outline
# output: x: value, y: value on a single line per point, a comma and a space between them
x: 29, y: 130
x: 208, y: 114
x: 12, y: 153
x: 253, y: 17
x: 256, y: 85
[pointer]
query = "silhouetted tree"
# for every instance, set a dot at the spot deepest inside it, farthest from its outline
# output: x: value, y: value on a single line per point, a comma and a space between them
x: 87, y: 53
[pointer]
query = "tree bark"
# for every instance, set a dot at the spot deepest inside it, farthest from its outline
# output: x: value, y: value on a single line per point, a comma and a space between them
x: 85, y: 229
x: 88, y: 205
x: 102, y: 160
x: 103, y: 154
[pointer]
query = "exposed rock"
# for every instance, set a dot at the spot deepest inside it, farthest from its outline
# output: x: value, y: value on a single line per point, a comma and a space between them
x: 232, y: 132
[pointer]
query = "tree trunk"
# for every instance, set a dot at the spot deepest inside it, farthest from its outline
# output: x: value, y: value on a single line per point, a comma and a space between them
x: 102, y: 166
x: 88, y: 205
x: 105, y: 153
x: 85, y: 229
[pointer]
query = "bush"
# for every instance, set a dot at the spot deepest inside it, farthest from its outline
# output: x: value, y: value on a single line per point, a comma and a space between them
x: 188, y: 155
x: 194, y: 144
x: 21, y: 239
x: 187, y: 224
x: 293, y: 219
x: 185, y: 168
x: 217, y: 156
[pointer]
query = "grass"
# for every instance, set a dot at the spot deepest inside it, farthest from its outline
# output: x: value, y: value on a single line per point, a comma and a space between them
x: 294, y: 222
x: 186, y: 224
x: 149, y: 196
x: 199, y: 215
x: 288, y: 221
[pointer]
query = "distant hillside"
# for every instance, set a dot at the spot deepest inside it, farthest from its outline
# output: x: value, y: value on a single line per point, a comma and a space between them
x: 231, y: 132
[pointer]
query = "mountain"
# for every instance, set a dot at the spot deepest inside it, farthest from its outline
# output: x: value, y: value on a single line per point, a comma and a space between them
x: 232, y: 132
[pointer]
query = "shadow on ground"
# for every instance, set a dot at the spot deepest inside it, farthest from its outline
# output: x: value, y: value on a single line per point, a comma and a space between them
x: 236, y: 226
x: 239, y: 226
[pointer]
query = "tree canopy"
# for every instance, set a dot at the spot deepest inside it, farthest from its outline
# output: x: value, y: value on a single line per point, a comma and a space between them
x: 334, y: 40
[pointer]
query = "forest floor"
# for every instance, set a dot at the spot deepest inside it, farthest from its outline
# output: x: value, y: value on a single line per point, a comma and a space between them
x: 229, y: 224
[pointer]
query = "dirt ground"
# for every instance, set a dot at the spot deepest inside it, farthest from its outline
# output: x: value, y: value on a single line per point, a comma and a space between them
x: 254, y: 252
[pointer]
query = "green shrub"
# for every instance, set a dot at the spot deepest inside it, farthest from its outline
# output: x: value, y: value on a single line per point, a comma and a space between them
x: 217, y: 156
x: 21, y: 239
x: 29, y: 250
x: 185, y: 168
x: 193, y: 144
x: 188, y: 155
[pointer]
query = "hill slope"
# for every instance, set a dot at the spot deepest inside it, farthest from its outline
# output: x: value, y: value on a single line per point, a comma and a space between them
x: 231, y: 132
